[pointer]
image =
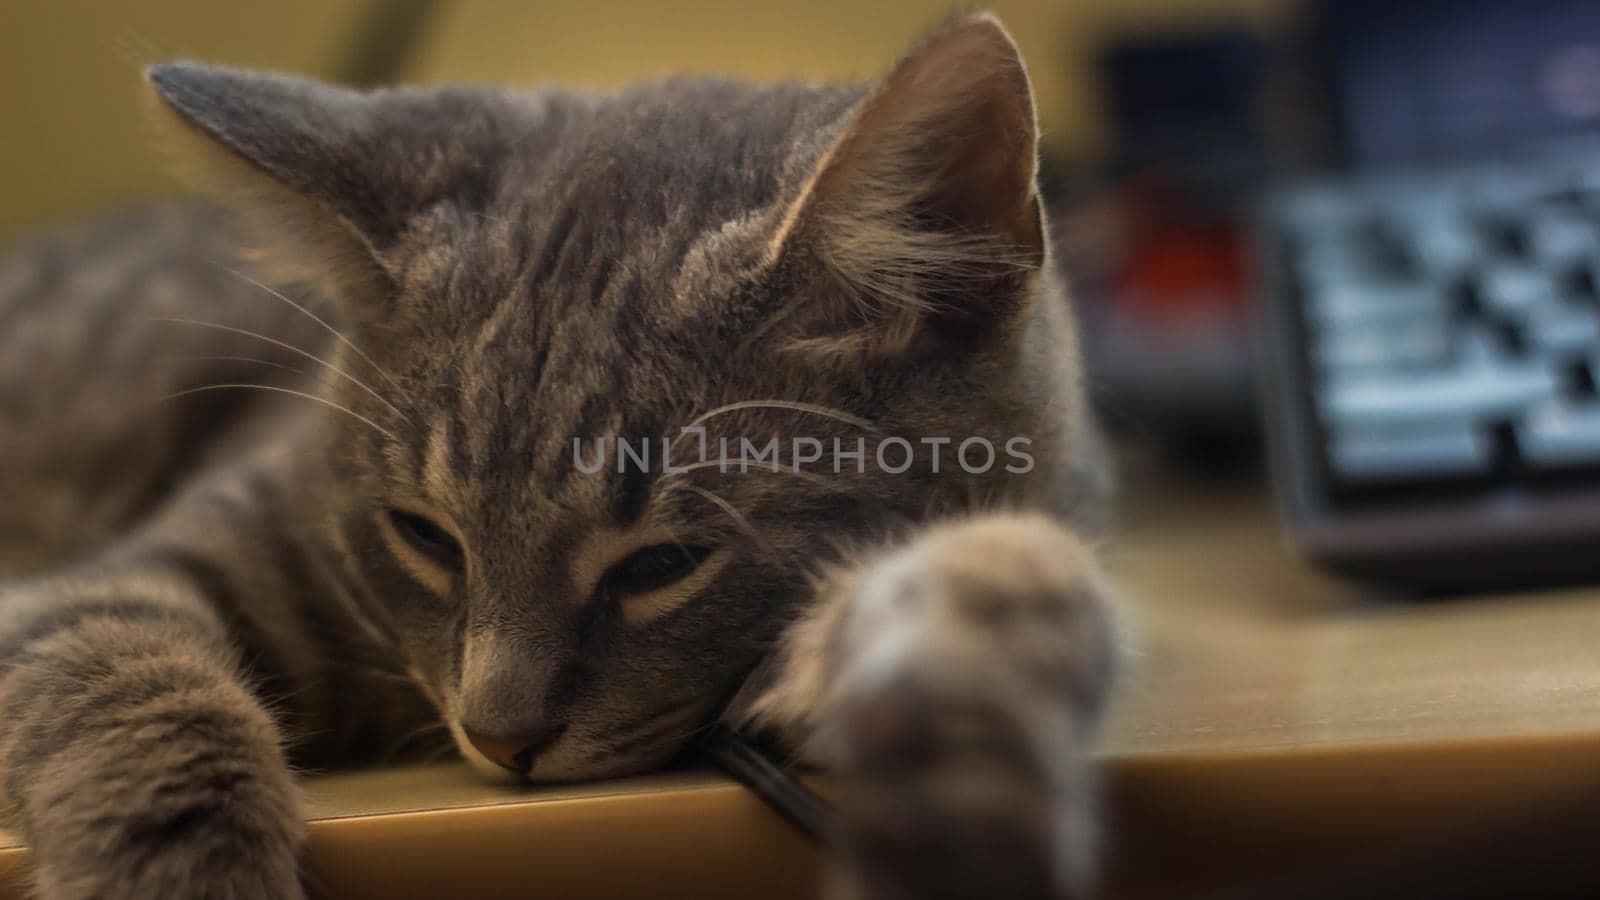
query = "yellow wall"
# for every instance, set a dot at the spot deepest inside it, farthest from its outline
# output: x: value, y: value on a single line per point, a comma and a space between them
x: 610, y: 42
x: 73, y: 134
x: 74, y: 137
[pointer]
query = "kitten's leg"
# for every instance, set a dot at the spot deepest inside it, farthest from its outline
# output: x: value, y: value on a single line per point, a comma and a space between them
x: 951, y: 684
x: 134, y: 760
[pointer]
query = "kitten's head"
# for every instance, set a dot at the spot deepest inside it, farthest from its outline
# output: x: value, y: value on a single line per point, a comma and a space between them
x: 529, y: 281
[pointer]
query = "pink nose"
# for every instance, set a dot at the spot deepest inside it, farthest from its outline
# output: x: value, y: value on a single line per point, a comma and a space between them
x: 514, y: 754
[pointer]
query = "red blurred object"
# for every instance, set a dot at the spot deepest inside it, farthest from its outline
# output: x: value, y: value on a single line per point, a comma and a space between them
x: 1183, y: 266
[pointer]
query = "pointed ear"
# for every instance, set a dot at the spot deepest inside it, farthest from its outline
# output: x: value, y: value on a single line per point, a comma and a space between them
x: 924, y: 216
x: 328, y: 176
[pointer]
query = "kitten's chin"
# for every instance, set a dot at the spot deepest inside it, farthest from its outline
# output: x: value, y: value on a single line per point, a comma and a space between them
x: 564, y: 761
x: 568, y: 761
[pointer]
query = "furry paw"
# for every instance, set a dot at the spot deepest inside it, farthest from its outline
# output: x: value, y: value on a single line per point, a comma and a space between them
x: 190, y: 855
x: 191, y: 800
x: 971, y: 668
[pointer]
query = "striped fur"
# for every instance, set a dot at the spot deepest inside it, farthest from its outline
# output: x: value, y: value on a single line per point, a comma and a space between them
x: 206, y: 582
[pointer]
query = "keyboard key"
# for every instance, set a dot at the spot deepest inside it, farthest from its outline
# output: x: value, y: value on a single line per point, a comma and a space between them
x: 1452, y: 336
x: 1316, y: 210
x: 1557, y: 239
x: 1563, y: 330
x: 1472, y: 393
x: 1561, y: 435
x: 1445, y: 249
x: 1405, y: 345
x: 1478, y: 345
x: 1501, y: 191
x: 1331, y: 257
x: 1449, y: 451
x: 1371, y: 301
x: 1514, y: 289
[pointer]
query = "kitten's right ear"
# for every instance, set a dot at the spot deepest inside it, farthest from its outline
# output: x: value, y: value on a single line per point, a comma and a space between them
x: 922, y: 222
x: 329, y: 182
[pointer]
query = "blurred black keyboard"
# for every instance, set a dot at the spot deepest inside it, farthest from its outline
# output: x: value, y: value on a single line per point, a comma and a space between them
x: 1431, y: 374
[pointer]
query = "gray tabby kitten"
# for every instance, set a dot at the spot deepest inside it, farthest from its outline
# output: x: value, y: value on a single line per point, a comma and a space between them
x: 348, y: 526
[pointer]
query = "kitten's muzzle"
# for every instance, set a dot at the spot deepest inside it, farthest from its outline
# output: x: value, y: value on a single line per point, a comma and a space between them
x: 515, y: 754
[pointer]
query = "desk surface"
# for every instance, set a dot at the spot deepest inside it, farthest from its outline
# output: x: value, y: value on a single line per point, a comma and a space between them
x: 1241, y: 648
x: 1275, y: 715
x: 1267, y: 707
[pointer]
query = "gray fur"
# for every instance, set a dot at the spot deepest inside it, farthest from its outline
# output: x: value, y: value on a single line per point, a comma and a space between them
x: 200, y: 574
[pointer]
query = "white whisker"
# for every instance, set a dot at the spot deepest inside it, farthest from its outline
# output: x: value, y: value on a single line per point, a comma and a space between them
x: 374, y: 671
x: 445, y: 750
x: 812, y: 408
x: 292, y: 349
x: 683, y: 737
x: 312, y: 397
x: 246, y: 359
x: 413, y: 735
x: 731, y: 464
x: 313, y: 317
x: 734, y: 514
x: 364, y: 621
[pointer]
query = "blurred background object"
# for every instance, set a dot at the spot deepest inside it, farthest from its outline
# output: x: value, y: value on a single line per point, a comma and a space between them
x: 76, y: 138
x: 1435, y: 309
x: 1158, y: 253
x: 1424, y: 82
x: 71, y: 94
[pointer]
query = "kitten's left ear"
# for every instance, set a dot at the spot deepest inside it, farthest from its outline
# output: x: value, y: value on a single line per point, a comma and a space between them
x: 924, y: 215
x: 333, y: 175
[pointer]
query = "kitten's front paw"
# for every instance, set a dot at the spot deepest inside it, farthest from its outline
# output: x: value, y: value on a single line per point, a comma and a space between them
x: 225, y: 864
x: 197, y: 818
x: 178, y: 860
x: 972, y: 666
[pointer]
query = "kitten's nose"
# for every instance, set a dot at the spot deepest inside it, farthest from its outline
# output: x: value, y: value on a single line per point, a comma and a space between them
x: 513, y: 753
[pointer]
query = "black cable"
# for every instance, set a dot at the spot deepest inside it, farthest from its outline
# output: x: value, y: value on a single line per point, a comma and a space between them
x: 787, y: 796
x: 387, y: 35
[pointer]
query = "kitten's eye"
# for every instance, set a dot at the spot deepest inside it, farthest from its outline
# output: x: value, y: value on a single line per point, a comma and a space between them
x: 654, y: 567
x: 428, y: 538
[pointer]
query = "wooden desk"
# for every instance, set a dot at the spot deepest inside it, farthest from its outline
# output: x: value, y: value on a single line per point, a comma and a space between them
x: 1272, y: 717
x: 1276, y: 716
